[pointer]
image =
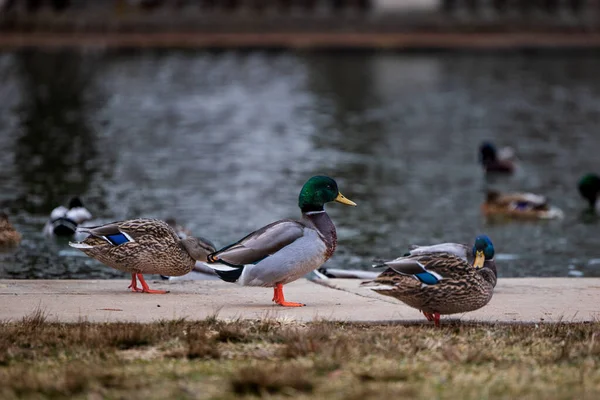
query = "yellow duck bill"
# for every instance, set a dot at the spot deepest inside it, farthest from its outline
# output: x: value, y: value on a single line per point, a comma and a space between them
x: 342, y: 199
x: 479, y: 259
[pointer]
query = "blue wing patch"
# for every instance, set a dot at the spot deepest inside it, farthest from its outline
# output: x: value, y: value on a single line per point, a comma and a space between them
x: 117, y: 239
x: 427, y: 278
x: 522, y: 205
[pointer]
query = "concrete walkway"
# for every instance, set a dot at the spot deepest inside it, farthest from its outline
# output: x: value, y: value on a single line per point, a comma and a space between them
x: 515, y: 300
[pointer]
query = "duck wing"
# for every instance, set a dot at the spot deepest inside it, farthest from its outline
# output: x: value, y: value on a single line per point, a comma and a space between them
x: 429, y: 269
x: 460, y: 250
x: 523, y: 201
x: 120, y: 232
x: 259, y: 244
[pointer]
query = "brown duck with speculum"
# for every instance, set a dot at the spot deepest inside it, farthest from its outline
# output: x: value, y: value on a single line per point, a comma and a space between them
x: 519, y: 205
x: 447, y: 278
x: 143, y: 246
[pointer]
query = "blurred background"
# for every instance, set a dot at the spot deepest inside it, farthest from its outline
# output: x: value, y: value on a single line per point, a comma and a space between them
x: 216, y: 112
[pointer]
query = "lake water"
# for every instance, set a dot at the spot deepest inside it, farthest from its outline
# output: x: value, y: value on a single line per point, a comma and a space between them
x: 223, y: 142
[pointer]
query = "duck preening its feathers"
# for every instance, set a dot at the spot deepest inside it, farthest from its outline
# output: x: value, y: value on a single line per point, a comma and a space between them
x: 441, y: 279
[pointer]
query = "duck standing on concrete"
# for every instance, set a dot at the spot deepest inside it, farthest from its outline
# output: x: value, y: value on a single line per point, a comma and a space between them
x: 285, y: 250
x: 64, y: 221
x: 589, y: 188
x: 519, y: 205
x: 9, y: 237
x: 143, y: 246
x: 494, y: 161
x: 447, y: 278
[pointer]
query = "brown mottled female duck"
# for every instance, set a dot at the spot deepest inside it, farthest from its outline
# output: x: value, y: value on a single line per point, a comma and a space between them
x: 447, y: 278
x: 9, y: 237
x: 285, y: 250
x: 143, y: 246
x: 519, y: 205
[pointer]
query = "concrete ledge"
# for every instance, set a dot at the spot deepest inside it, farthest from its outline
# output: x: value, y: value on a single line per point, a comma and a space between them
x: 515, y: 300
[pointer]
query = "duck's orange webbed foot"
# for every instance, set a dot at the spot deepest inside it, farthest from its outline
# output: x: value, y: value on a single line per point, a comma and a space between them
x: 290, y: 304
x: 436, y: 319
x: 146, y: 288
x: 280, y: 299
x: 133, y: 285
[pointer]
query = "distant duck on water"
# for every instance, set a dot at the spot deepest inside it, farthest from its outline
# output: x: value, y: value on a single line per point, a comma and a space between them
x: 64, y: 220
x: 494, y: 161
x: 589, y: 188
x: 519, y: 205
x: 9, y: 237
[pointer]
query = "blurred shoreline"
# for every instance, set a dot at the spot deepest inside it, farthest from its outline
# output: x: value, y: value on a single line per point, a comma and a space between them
x: 315, y: 24
x: 305, y: 40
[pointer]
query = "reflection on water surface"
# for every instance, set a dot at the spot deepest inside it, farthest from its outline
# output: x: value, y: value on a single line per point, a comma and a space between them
x: 224, y: 141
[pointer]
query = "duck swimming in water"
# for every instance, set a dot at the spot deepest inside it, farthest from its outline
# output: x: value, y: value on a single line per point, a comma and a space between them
x: 519, y: 205
x: 494, y: 161
x: 589, y: 188
x: 64, y: 221
x: 9, y: 236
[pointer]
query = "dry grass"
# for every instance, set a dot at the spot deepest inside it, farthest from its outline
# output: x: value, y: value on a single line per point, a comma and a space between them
x: 226, y: 360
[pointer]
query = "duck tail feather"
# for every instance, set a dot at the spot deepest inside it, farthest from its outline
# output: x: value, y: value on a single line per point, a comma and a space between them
x: 378, y: 263
x: 226, y: 272
x: 83, y: 229
x: 230, y: 276
x: 375, y: 285
x: 80, y: 245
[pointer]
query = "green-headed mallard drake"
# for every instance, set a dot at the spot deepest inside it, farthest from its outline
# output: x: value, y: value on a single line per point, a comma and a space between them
x: 519, y: 205
x: 286, y: 250
x: 143, y: 246
x: 9, y: 237
x: 589, y: 188
x: 496, y: 161
x: 446, y: 278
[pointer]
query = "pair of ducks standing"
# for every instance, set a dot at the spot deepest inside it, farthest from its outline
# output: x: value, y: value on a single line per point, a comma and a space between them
x: 441, y: 279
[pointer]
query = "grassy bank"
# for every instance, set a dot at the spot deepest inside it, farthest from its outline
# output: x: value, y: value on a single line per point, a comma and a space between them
x: 278, y: 359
